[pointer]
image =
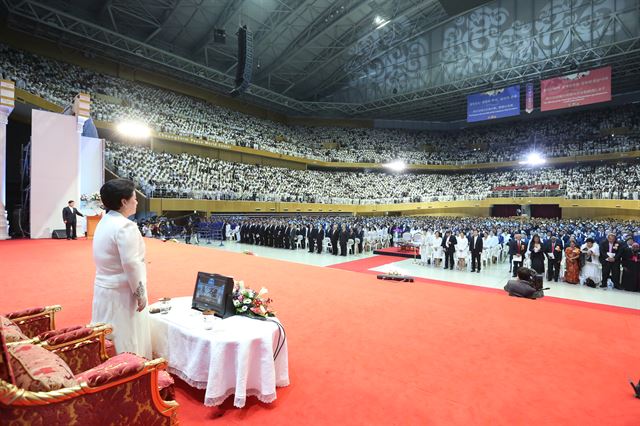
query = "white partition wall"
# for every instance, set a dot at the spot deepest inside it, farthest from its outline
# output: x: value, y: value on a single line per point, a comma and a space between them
x: 55, y: 170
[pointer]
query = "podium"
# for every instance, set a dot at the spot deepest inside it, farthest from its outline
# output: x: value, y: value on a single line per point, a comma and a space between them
x: 92, y: 222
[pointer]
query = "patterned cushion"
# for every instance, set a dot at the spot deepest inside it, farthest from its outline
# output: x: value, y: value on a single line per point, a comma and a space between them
x: 6, y: 372
x: 70, y: 336
x: 49, y: 334
x: 121, y: 365
x: 39, y: 370
x: 165, y: 386
x: 25, y: 312
x: 12, y: 332
x: 109, y: 348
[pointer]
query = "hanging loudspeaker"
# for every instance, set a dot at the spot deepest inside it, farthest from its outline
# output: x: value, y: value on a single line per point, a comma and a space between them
x: 244, y: 70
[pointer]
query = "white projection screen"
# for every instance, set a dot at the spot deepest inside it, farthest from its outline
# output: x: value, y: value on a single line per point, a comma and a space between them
x: 55, y: 170
x: 91, y: 174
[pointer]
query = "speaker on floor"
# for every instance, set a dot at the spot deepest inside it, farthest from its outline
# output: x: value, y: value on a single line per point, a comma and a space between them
x: 59, y: 234
x: 244, y: 70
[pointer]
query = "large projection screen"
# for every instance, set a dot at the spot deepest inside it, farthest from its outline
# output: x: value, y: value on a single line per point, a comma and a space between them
x: 55, y: 170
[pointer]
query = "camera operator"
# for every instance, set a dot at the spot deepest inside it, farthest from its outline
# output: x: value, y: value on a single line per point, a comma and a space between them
x: 527, y: 285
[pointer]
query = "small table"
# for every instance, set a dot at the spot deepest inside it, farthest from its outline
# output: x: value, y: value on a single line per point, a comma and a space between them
x: 234, y: 357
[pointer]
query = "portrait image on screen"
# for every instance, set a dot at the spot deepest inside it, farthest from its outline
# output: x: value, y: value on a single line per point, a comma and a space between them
x: 211, y: 292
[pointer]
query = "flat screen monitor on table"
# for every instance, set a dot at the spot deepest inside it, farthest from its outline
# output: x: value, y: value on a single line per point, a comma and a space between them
x: 213, y: 292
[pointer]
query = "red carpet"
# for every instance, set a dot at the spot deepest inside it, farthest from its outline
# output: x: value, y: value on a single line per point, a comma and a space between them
x: 368, y: 352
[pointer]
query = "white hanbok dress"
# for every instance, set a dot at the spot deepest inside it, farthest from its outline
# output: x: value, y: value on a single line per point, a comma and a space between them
x: 118, y: 252
x: 462, y: 248
x: 592, y: 267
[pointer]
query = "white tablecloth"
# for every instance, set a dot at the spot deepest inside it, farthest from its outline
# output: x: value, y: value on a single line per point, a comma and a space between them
x: 234, y: 357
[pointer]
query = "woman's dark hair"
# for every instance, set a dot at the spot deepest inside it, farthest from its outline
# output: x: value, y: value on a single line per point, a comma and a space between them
x: 590, y: 240
x: 114, y: 191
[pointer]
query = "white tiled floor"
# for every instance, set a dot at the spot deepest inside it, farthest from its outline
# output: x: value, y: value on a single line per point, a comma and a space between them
x: 494, y: 276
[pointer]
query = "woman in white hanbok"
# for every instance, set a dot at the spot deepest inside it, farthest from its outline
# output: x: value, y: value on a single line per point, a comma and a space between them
x: 592, y: 268
x: 462, y: 250
x: 120, y: 293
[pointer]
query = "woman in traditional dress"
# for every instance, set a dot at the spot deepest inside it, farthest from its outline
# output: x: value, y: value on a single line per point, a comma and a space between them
x: 572, y: 263
x: 631, y: 268
x: 591, y: 268
x: 120, y: 287
x: 536, y: 254
x: 462, y: 250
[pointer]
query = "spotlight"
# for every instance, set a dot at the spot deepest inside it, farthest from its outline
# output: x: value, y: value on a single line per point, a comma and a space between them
x: 534, y: 159
x: 134, y: 129
x: 380, y: 22
x: 396, y: 166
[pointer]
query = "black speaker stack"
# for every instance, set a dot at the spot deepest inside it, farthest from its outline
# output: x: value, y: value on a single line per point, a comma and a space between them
x: 244, y: 70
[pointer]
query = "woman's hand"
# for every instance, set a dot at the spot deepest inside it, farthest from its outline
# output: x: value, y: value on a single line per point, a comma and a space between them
x: 142, y: 302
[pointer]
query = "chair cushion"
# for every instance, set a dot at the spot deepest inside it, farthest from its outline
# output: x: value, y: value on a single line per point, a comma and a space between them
x: 12, y: 332
x: 25, y: 312
x: 49, y: 334
x: 6, y: 372
x: 165, y: 385
x: 109, y: 348
x: 38, y: 370
x: 121, y: 365
x: 69, y: 336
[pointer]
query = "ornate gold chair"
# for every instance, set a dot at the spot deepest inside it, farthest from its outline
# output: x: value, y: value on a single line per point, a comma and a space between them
x: 37, y: 387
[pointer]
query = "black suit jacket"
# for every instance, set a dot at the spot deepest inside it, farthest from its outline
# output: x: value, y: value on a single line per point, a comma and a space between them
x: 479, y: 244
x: 453, y: 242
x: 557, y: 254
x: 69, y: 214
x: 513, y: 248
x: 604, y: 248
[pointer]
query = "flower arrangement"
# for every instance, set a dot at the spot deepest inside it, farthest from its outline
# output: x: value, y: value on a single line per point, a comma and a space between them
x: 91, y: 197
x: 250, y: 302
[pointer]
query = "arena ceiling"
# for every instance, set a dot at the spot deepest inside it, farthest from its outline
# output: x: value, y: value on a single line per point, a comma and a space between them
x: 401, y: 59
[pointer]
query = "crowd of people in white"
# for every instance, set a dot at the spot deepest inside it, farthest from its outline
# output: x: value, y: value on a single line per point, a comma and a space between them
x: 189, y: 176
x: 116, y: 99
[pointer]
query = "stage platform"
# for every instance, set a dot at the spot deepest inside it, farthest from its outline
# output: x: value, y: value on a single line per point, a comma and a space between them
x: 395, y: 251
x: 366, y: 351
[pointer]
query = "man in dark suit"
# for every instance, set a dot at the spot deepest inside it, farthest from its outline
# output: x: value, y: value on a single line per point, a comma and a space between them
x: 69, y: 214
x: 553, y: 250
x: 344, y: 237
x: 449, y: 244
x: 334, y: 235
x: 475, y: 245
x: 313, y: 234
x: 319, y: 238
x: 610, y: 257
x: 516, y: 248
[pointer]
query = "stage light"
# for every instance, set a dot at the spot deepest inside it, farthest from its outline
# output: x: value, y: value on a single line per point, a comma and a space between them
x: 396, y: 166
x: 134, y: 129
x: 534, y: 159
x: 380, y: 22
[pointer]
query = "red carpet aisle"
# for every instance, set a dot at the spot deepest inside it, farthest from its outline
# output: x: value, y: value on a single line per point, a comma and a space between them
x: 363, y: 351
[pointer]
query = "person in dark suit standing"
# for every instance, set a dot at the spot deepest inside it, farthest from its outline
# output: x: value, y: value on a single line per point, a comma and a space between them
x: 476, y: 246
x: 553, y: 251
x: 449, y: 244
x: 517, y: 248
x: 319, y: 238
x: 313, y: 234
x: 69, y: 214
x: 334, y: 235
x: 344, y: 237
x: 610, y: 258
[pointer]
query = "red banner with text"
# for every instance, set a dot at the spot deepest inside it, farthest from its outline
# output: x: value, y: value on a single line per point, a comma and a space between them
x: 582, y: 88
